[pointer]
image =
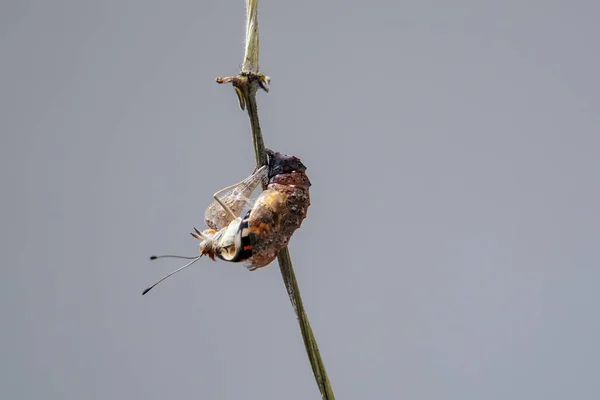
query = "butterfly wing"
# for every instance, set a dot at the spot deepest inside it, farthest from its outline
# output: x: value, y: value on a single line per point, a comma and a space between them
x: 236, y: 198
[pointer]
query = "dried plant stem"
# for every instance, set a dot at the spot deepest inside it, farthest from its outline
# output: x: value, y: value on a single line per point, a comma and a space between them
x: 251, y: 87
x: 310, y: 343
x: 246, y: 84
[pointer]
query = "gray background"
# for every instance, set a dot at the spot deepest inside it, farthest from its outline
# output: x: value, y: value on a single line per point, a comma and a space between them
x: 451, y: 251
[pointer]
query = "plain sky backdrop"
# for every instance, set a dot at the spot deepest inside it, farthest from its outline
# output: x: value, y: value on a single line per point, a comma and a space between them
x: 452, y: 249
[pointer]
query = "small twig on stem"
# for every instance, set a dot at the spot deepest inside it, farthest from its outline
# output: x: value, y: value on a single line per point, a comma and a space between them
x: 246, y: 84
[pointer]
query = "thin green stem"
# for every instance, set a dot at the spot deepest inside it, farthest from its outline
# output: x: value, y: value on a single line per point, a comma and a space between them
x: 257, y: 137
x: 310, y: 343
x: 246, y: 85
x: 287, y: 272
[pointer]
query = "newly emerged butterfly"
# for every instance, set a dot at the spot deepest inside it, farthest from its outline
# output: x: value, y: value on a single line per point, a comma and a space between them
x: 267, y: 227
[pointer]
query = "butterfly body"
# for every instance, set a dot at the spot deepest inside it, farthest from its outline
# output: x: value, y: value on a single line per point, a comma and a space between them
x: 271, y: 221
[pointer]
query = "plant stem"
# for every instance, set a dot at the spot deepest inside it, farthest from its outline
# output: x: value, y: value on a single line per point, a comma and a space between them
x: 310, y: 343
x: 246, y: 85
x: 257, y: 137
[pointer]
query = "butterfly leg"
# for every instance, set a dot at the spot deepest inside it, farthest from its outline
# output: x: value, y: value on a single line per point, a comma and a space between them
x: 251, y: 181
x: 225, y: 207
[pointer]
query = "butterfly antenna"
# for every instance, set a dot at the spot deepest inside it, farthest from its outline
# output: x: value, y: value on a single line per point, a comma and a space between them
x: 172, y: 256
x: 168, y: 275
